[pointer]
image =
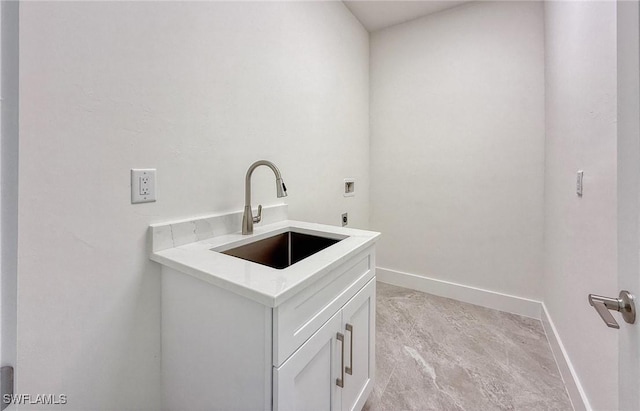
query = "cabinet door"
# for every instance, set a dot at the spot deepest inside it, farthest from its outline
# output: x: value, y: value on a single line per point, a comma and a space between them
x: 358, y: 325
x: 307, y: 380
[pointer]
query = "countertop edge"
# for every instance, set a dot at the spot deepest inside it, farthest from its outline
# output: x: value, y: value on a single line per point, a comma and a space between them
x: 268, y: 300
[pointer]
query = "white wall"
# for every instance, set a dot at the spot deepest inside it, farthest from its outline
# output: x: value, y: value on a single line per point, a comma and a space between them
x: 457, y: 146
x: 580, y: 233
x: 199, y: 91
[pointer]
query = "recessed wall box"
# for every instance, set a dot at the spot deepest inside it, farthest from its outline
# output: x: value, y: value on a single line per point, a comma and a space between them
x: 349, y: 187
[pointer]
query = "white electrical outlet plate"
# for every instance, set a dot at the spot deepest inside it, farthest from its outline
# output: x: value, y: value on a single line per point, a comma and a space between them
x: 349, y: 187
x: 143, y: 185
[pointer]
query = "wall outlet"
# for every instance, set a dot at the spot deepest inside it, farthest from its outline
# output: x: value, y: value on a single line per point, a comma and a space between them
x: 143, y: 185
x: 349, y: 187
x: 345, y: 219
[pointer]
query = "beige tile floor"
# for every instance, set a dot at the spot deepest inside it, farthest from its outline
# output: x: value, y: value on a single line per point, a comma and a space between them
x: 434, y: 353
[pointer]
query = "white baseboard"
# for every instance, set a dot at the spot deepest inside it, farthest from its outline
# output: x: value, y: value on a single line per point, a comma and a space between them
x: 485, y: 298
x: 502, y: 302
x: 577, y: 395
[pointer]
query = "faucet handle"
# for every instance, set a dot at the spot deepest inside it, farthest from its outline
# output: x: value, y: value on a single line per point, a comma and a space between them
x: 258, y: 218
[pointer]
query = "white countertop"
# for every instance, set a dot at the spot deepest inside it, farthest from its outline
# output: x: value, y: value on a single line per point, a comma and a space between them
x: 266, y: 285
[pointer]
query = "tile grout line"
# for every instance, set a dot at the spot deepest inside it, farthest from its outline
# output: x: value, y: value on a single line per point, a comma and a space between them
x: 388, y: 381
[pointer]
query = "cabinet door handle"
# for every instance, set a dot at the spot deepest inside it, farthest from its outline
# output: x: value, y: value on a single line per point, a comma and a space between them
x: 340, y: 381
x: 349, y: 369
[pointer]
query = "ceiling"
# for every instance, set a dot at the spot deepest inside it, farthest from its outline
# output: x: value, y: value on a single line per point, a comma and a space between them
x: 375, y: 15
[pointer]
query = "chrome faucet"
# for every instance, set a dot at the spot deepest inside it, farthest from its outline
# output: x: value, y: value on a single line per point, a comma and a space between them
x: 281, y: 191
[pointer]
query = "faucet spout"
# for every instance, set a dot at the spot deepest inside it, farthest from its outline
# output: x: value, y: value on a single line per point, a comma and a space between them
x: 281, y: 191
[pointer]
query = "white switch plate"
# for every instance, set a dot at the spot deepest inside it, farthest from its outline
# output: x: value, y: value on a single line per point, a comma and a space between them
x: 579, y: 181
x: 349, y: 187
x: 143, y: 185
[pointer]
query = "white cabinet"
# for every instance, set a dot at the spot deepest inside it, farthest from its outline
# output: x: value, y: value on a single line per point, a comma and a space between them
x: 358, y: 323
x: 223, y: 351
x: 334, y: 368
x: 307, y: 380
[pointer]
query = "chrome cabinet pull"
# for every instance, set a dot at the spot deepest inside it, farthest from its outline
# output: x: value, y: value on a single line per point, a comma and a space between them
x: 340, y: 381
x: 625, y: 304
x: 349, y: 369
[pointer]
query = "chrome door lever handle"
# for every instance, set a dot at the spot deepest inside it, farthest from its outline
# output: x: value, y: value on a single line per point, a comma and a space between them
x: 598, y: 303
x: 625, y: 304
